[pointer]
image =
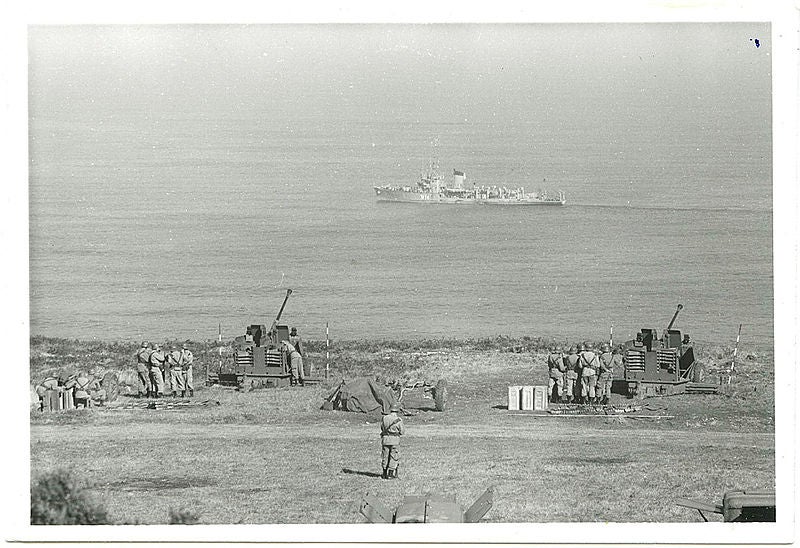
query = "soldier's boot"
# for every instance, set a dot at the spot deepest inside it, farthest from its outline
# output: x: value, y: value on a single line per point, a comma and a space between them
x: 183, y: 393
x: 191, y: 392
x: 605, y: 400
x: 385, y: 474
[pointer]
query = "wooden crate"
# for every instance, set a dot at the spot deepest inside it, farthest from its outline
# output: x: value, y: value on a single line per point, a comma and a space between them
x: 514, y: 398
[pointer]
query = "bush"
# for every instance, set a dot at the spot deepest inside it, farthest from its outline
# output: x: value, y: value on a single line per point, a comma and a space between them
x: 58, y: 499
x: 183, y: 517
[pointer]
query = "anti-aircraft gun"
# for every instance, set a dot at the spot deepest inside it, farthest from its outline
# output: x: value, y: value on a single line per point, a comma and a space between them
x: 258, y: 359
x: 662, y: 366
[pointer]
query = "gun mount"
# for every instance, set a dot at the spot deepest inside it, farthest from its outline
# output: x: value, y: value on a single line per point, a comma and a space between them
x: 259, y: 361
x: 663, y: 366
x: 752, y: 506
x: 427, y: 509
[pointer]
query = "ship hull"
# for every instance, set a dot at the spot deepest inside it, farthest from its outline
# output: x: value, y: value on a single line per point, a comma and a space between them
x: 385, y: 194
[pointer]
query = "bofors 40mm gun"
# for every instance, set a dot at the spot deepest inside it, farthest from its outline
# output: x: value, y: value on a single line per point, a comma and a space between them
x: 663, y: 367
x: 259, y: 361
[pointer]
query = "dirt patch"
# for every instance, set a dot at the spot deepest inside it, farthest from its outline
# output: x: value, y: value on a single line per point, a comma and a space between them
x: 605, y: 460
x: 159, y: 484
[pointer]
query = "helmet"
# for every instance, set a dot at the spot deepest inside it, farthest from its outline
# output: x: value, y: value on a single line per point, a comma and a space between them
x: 145, y: 344
x: 581, y: 347
x: 559, y: 349
x: 588, y: 346
x: 572, y: 350
x: 605, y: 348
x: 185, y: 346
x: 293, y: 331
x: 617, y: 350
x: 395, y: 407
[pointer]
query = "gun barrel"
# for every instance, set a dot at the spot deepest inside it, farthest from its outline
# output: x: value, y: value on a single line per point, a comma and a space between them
x: 286, y: 298
x: 672, y: 321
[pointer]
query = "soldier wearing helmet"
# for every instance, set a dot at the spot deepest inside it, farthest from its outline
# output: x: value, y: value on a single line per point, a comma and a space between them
x: 186, y: 362
x: 589, y: 366
x: 157, y: 360
x: 572, y: 361
x: 556, y: 369
x: 391, y: 430
x: 143, y: 369
x: 606, y: 376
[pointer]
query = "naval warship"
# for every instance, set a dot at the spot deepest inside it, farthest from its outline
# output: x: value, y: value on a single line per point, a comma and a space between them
x: 432, y: 189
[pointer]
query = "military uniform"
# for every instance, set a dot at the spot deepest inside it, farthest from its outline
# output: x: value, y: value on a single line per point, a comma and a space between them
x: 606, y: 376
x: 83, y: 386
x: 391, y: 430
x: 556, y: 369
x: 50, y: 383
x: 572, y: 362
x: 589, y: 366
x: 143, y: 369
x: 175, y: 383
x: 157, y: 359
x: 297, y: 342
x: 295, y: 362
x: 186, y: 361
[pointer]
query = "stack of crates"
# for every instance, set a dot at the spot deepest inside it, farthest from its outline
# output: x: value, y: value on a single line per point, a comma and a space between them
x: 527, y: 398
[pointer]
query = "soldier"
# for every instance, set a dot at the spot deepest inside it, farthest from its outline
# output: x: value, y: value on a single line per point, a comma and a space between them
x: 297, y: 342
x: 391, y: 430
x: 295, y: 362
x: 173, y: 371
x: 606, y: 376
x: 556, y: 369
x: 157, y: 359
x: 83, y: 385
x: 186, y: 361
x: 143, y: 369
x: 589, y: 366
x: 572, y: 361
x: 50, y: 383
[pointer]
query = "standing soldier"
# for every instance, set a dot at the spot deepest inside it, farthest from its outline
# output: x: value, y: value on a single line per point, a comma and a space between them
x: 297, y: 342
x: 391, y: 430
x: 573, y: 369
x: 186, y: 361
x: 589, y: 366
x: 556, y: 368
x: 50, y: 383
x: 143, y: 369
x: 606, y: 375
x: 295, y: 362
x: 157, y: 359
x: 173, y: 367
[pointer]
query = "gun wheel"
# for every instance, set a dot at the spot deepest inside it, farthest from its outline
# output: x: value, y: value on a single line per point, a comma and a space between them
x: 440, y: 395
x: 110, y: 384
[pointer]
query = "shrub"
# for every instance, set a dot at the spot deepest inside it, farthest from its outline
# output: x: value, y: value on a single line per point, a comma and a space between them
x: 58, y: 499
x: 183, y: 517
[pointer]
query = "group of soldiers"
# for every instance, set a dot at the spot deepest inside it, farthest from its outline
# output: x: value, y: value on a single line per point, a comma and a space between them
x: 582, y: 376
x: 84, y: 389
x: 164, y: 373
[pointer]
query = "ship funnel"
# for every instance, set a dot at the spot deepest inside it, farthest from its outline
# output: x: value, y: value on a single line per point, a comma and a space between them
x: 458, y: 179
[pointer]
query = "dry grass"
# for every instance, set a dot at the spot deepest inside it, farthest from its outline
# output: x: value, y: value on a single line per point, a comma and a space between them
x: 272, y: 456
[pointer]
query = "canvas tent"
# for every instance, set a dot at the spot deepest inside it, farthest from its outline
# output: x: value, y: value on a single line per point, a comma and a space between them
x: 360, y: 395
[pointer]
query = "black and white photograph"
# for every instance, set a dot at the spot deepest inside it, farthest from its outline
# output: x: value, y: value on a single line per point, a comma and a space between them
x: 530, y: 274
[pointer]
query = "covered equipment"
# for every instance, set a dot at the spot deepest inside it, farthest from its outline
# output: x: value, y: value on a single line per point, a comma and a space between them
x: 361, y: 395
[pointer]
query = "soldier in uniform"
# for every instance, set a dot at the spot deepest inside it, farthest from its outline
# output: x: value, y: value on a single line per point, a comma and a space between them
x: 157, y: 359
x: 606, y: 376
x: 391, y: 430
x: 296, y: 363
x: 186, y: 361
x: 50, y: 383
x: 589, y: 366
x: 143, y: 369
x: 556, y: 369
x: 172, y: 370
x: 297, y: 342
x: 83, y: 386
x: 572, y: 362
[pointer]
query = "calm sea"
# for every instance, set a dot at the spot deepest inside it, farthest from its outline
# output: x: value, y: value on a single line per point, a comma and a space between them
x: 152, y: 220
